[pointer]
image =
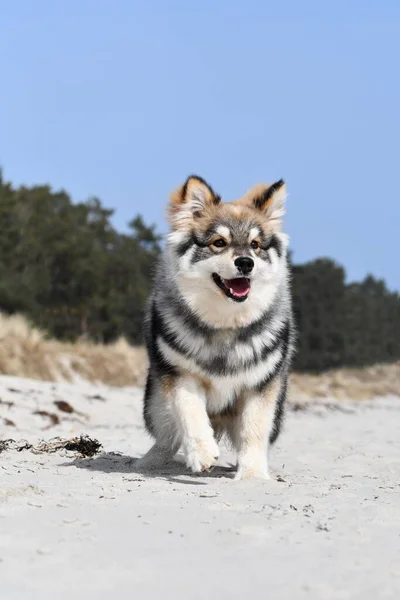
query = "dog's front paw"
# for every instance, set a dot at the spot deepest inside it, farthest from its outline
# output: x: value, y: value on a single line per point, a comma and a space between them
x: 252, y: 467
x: 201, y: 455
x: 250, y: 473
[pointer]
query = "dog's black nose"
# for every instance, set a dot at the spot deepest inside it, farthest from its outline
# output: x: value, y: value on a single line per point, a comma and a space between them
x: 244, y: 264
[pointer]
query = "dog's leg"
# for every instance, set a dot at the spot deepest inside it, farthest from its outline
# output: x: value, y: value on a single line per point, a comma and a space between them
x: 177, y: 416
x: 160, y: 423
x: 188, y: 403
x: 156, y: 457
x: 251, y: 428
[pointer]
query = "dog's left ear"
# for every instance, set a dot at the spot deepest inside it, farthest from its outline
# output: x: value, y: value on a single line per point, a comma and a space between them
x: 271, y: 200
x: 191, y: 200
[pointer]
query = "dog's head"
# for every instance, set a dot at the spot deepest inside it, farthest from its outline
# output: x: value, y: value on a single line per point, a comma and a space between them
x: 227, y: 258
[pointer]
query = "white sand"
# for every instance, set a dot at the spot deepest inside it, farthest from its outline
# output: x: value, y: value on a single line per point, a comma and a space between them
x: 326, y: 526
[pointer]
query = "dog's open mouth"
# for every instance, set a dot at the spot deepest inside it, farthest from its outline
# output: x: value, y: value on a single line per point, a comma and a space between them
x: 238, y: 289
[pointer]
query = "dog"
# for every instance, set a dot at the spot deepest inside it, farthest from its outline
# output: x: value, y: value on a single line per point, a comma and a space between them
x: 219, y: 329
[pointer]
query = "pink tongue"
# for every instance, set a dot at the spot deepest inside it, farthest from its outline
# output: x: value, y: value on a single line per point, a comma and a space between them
x: 238, y: 287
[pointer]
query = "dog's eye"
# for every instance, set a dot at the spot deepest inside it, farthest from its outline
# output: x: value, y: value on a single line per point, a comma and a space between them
x: 255, y: 245
x: 220, y: 243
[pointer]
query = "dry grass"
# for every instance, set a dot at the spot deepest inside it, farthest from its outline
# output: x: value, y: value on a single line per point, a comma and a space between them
x: 355, y: 384
x: 27, y: 352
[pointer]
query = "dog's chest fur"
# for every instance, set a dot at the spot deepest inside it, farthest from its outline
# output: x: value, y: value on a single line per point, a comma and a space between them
x: 226, y: 363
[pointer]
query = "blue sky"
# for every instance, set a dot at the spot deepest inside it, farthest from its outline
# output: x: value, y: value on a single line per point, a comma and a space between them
x: 123, y: 99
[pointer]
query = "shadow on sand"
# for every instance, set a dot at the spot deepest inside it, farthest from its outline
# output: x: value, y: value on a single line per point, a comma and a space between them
x: 111, y: 462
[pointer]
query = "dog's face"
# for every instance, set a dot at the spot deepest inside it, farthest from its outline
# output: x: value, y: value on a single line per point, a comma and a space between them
x: 227, y: 258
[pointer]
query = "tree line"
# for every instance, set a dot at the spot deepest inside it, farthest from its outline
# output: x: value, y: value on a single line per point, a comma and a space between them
x: 66, y: 267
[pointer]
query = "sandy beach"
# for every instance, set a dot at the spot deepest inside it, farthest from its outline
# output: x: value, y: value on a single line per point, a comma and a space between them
x: 326, y: 526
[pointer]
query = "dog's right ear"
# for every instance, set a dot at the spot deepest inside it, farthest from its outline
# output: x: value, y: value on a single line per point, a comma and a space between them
x: 191, y: 201
x: 269, y: 200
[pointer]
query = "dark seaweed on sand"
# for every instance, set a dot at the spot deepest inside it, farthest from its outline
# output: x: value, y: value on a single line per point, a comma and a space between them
x: 85, y: 445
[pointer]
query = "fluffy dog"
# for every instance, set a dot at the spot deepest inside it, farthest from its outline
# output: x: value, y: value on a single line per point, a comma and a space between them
x: 219, y: 329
